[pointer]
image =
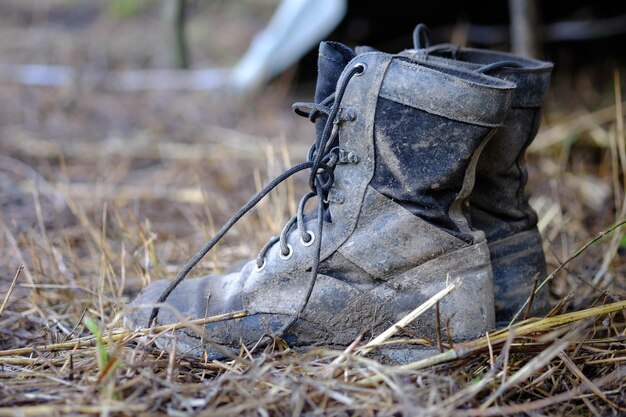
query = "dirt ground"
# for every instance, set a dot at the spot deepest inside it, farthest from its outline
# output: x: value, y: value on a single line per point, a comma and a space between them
x: 102, y: 192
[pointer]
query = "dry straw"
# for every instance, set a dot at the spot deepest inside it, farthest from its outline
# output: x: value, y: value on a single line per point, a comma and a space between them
x: 83, y: 266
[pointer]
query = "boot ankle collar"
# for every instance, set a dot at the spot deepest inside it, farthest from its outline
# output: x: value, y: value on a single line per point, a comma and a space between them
x: 453, y: 93
x: 532, y: 77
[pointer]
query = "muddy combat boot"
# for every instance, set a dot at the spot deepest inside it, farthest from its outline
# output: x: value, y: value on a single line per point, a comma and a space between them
x: 390, y: 169
x: 498, y: 204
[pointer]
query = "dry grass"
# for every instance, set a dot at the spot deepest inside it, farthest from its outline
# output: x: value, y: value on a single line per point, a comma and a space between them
x: 88, y: 261
x: 94, y: 210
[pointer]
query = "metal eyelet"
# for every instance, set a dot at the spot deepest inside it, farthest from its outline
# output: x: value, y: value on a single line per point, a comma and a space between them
x: 311, y: 239
x: 347, y: 114
x: 362, y: 66
x: 258, y: 268
x: 288, y: 255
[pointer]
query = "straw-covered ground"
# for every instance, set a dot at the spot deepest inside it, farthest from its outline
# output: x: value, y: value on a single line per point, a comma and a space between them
x: 103, y: 192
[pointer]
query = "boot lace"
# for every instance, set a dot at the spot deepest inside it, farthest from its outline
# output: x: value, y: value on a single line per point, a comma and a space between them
x: 322, y: 158
x: 421, y: 42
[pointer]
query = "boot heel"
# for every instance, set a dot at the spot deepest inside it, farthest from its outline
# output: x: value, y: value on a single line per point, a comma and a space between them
x: 468, y: 311
x: 465, y: 313
x: 517, y: 262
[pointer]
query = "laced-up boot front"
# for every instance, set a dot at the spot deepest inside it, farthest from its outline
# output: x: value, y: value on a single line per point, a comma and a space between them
x: 390, y: 170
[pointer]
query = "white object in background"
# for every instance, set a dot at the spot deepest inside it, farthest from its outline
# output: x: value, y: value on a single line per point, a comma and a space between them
x: 294, y: 29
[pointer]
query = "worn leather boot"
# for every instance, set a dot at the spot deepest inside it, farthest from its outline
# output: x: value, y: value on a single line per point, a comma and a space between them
x: 498, y: 204
x: 391, y: 167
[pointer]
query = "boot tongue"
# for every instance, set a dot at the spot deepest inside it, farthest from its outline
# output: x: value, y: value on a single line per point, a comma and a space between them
x: 332, y: 59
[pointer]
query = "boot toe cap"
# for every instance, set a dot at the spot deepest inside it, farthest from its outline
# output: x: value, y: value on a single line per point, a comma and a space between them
x: 197, y: 299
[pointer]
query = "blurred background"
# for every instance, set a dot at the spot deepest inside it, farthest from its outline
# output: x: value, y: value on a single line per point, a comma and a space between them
x: 134, y: 128
x: 248, y: 44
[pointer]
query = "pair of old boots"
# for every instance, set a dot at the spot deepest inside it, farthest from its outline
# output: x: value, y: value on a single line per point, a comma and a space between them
x: 418, y: 173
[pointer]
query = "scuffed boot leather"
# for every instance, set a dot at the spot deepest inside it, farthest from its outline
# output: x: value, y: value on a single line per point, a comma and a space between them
x: 498, y: 204
x: 398, y: 152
